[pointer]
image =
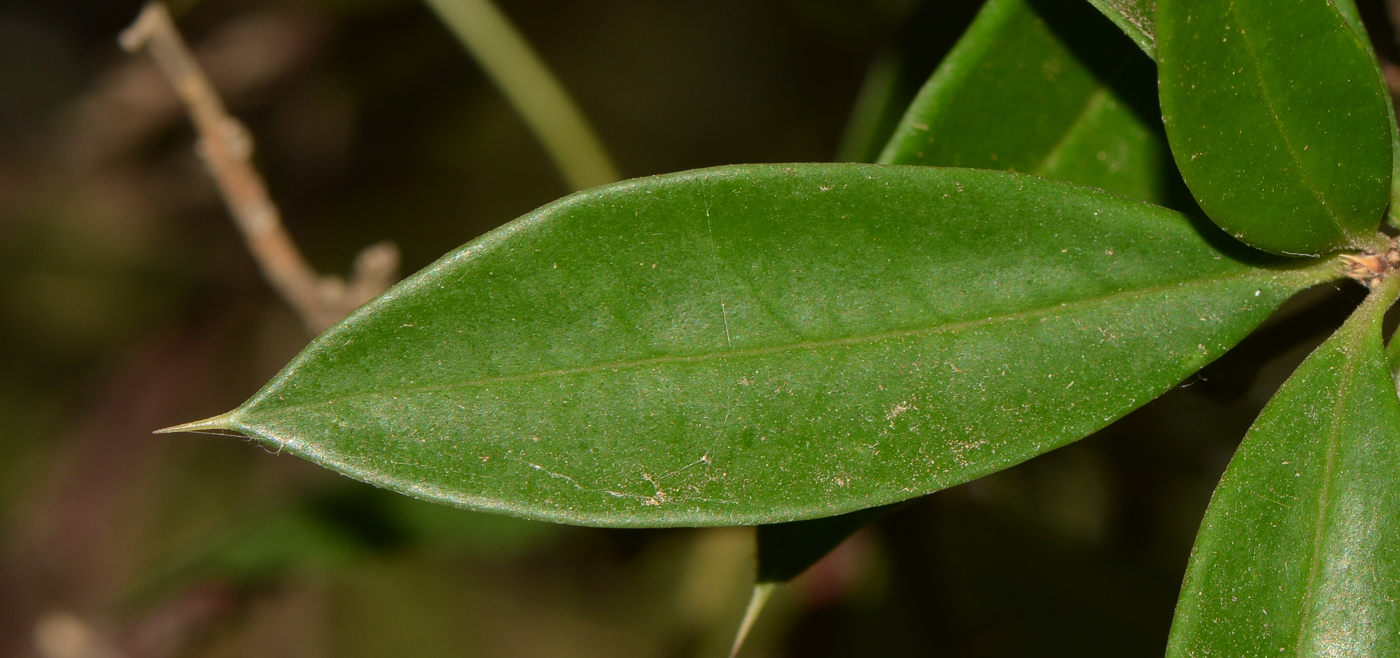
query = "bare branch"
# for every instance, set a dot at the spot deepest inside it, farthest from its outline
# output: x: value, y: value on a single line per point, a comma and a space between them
x: 227, y: 148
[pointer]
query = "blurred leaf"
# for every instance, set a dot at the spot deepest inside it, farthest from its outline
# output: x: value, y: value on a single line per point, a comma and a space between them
x: 1137, y: 19
x: 338, y: 531
x: 764, y: 343
x: 897, y: 73
x: 1045, y: 88
x: 1296, y: 556
x: 876, y: 110
x: 261, y: 551
x: 1285, y: 141
x: 291, y: 541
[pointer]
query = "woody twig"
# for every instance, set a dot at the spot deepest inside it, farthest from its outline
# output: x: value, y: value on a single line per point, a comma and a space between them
x: 227, y: 148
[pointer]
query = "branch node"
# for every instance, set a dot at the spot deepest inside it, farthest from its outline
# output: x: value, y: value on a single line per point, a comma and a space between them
x: 226, y: 147
x: 1372, y: 267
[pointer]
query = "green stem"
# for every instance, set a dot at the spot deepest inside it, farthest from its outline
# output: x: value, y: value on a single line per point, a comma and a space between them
x: 1376, y: 242
x: 527, y: 83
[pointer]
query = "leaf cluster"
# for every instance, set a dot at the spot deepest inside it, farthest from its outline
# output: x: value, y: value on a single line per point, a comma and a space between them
x: 1034, y: 256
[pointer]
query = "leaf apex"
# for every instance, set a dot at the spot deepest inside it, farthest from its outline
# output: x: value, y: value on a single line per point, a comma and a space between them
x: 220, y: 422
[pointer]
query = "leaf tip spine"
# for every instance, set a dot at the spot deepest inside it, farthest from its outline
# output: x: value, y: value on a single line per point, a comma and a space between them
x: 220, y: 422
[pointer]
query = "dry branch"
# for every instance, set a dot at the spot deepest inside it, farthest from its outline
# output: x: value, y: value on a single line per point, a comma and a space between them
x: 227, y: 148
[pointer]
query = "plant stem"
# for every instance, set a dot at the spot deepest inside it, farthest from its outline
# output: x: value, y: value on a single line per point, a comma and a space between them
x: 226, y: 147
x: 527, y: 83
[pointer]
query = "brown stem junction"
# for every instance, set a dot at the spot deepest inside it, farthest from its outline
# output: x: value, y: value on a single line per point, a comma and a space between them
x: 1372, y: 267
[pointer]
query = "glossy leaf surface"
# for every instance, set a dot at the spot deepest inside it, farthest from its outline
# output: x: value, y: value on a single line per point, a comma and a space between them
x: 1091, y: 116
x: 1137, y: 19
x: 764, y: 343
x: 1278, y: 120
x: 1353, y: 17
x: 1297, y: 554
x: 1046, y: 88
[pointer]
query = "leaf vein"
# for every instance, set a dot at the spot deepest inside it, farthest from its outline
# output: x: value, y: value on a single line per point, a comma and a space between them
x: 1311, y: 275
x: 1303, y: 175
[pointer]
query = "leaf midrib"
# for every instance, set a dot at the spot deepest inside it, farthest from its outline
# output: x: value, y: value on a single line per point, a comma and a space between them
x: 1303, y: 175
x: 805, y: 345
x: 1324, y: 496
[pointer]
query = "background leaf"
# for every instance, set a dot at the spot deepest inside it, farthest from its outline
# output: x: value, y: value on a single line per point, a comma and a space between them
x: 1296, y: 554
x: 1352, y: 15
x: 897, y: 72
x: 785, y: 550
x: 764, y: 343
x: 1278, y: 120
x: 1047, y: 88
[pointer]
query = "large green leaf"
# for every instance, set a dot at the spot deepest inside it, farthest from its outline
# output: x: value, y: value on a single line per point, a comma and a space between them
x: 1278, y: 120
x: 1048, y: 88
x: 1137, y: 19
x: 1077, y: 118
x: 764, y: 343
x: 1297, y: 555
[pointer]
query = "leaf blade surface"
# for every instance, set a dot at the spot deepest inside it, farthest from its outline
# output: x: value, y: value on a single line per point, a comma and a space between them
x: 1045, y: 88
x: 1278, y: 120
x: 764, y: 343
x: 1296, y: 555
x: 1029, y: 65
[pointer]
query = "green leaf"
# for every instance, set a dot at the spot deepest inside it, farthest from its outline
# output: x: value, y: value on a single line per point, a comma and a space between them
x: 764, y: 343
x: 875, y: 112
x: 1278, y: 120
x: 1137, y: 19
x: 262, y: 550
x: 1048, y: 88
x: 896, y: 74
x: 1353, y: 17
x: 1297, y: 554
x: 1081, y: 130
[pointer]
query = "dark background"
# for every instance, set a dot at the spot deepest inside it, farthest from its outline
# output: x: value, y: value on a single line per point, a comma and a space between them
x: 128, y: 303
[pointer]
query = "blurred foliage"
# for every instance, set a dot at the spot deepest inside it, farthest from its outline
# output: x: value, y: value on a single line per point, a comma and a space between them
x: 129, y: 304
